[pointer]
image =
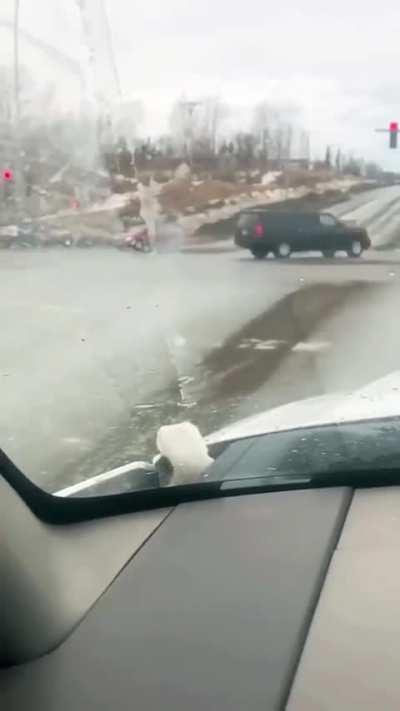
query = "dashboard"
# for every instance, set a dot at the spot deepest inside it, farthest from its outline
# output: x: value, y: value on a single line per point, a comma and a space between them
x: 270, y: 600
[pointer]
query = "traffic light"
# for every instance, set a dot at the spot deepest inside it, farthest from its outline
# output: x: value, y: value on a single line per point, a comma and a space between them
x: 393, y: 133
x: 7, y: 175
x: 6, y: 183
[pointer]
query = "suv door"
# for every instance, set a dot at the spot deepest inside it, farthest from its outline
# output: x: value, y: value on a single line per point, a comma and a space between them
x: 331, y: 234
x: 307, y: 232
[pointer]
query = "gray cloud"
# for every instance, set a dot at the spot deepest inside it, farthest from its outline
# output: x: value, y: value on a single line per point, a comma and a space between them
x: 338, y: 61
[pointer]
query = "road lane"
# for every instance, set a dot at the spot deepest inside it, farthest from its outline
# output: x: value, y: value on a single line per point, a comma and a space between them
x: 87, y: 335
x: 377, y: 210
x: 100, y: 347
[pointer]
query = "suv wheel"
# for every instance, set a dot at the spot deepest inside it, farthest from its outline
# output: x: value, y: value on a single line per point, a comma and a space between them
x: 355, y: 249
x: 258, y: 252
x: 328, y: 253
x: 283, y: 250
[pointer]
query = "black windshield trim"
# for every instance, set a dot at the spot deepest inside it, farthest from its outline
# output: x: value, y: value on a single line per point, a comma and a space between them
x: 60, y: 511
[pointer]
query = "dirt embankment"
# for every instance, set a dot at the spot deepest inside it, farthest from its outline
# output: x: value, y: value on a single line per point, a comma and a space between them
x: 311, y: 201
x: 209, y: 207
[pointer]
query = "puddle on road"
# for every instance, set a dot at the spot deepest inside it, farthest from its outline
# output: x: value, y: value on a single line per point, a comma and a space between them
x: 234, y: 371
x: 223, y: 387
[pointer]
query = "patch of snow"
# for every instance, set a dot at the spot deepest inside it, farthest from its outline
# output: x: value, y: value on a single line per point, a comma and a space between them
x: 9, y: 230
x: 60, y: 173
x: 113, y: 202
x: 270, y: 177
x: 243, y: 201
x: 182, y: 172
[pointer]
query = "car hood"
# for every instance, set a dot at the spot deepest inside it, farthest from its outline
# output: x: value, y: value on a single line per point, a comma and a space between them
x: 377, y: 399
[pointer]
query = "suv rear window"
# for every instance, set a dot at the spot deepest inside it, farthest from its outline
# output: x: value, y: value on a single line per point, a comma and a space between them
x: 248, y: 220
x: 327, y: 220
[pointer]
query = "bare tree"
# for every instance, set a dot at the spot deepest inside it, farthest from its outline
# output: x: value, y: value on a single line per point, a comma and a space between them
x: 305, y: 145
x: 275, y: 126
x: 328, y: 157
x: 195, y: 125
x: 129, y: 116
x: 372, y: 171
x: 264, y: 119
x: 181, y: 123
x: 288, y: 140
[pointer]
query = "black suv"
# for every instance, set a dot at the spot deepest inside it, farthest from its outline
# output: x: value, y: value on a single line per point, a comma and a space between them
x: 268, y: 230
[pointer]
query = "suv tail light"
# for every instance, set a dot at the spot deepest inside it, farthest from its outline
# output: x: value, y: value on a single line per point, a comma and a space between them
x: 259, y: 230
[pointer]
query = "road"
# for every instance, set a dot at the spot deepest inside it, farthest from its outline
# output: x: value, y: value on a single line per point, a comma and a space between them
x: 100, y: 347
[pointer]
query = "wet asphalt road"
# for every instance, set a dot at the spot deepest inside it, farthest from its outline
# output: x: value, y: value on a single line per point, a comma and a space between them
x: 100, y: 347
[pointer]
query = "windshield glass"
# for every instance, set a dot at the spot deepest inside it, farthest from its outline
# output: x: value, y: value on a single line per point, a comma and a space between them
x: 138, y: 288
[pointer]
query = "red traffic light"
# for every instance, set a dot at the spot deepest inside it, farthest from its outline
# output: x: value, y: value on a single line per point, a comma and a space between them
x: 393, y: 133
x: 7, y: 175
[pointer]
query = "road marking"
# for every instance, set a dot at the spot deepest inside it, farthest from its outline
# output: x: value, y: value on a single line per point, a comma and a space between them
x: 149, y: 406
x: 301, y: 347
x: 258, y: 345
x: 76, y: 441
x: 310, y: 347
x: 185, y: 380
x: 268, y: 345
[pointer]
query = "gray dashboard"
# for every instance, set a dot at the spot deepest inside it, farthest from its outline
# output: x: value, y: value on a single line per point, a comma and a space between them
x: 261, y: 601
x: 211, y: 612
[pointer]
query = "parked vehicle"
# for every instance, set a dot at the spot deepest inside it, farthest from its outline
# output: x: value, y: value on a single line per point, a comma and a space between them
x: 52, y: 236
x: 8, y: 235
x: 283, y: 232
x: 34, y: 234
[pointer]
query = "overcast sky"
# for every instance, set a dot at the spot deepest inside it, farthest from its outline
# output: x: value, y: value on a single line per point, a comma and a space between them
x: 338, y: 62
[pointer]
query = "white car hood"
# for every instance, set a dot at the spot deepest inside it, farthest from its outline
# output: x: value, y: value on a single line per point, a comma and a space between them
x: 380, y: 398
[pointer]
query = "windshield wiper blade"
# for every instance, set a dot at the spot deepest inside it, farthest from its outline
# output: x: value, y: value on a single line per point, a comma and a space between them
x: 265, y: 480
x: 358, y: 478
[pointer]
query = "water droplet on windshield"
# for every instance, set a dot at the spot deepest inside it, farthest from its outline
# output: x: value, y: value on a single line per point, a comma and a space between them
x: 272, y: 469
x: 392, y: 274
x: 301, y: 280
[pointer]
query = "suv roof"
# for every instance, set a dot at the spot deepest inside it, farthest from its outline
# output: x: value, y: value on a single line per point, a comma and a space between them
x: 278, y: 211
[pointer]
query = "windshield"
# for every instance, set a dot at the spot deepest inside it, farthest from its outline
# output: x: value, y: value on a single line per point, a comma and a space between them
x: 199, y: 221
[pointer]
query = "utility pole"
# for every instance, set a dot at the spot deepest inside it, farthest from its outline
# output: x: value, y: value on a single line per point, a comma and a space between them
x: 18, y: 170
